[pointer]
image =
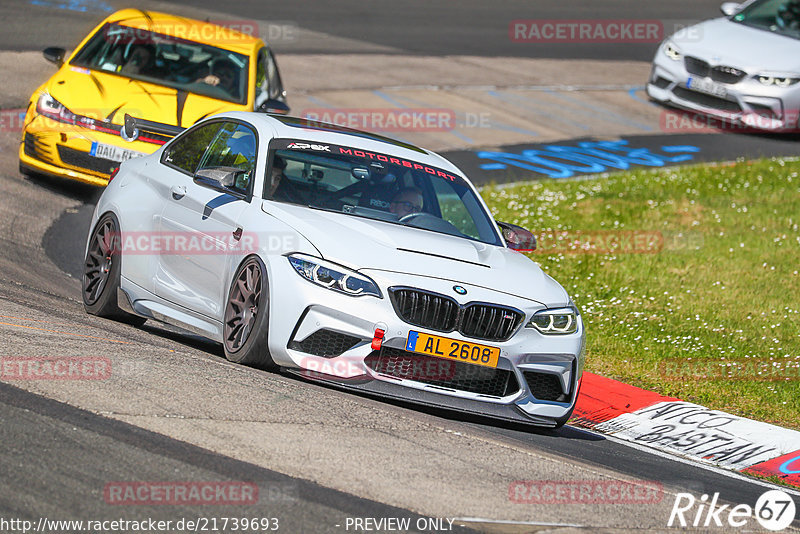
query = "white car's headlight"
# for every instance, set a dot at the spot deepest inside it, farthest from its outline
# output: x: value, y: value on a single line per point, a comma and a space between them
x: 780, y: 81
x: 672, y: 51
x: 333, y: 276
x: 556, y: 321
x: 52, y: 108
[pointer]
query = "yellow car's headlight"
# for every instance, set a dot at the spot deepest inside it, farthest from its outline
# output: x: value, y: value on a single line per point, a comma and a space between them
x: 53, y: 109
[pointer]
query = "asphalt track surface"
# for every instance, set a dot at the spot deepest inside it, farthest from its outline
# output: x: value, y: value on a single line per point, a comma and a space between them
x: 438, y: 27
x: 39, y: 434
x: 58, y: 457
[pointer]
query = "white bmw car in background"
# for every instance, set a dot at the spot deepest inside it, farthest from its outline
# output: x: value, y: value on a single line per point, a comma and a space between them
x: 342, y: 256
x: 743, y: 68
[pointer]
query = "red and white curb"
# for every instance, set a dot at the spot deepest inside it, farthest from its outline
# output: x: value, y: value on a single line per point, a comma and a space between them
x: 688, y: 430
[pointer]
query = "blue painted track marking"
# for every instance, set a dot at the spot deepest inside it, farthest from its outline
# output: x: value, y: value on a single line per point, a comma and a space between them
x: 593, y: 110
x: 588, y: 157
x: 83, y: 6
x: 784, y: 467
x: 522, y: 102
x: 632, y: 94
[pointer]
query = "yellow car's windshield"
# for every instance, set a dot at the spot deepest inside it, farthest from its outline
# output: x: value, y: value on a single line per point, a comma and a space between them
x: 170, y: 61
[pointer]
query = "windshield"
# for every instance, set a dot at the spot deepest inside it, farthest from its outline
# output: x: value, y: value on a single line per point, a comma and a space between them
x: 778, y: 16
x: 152, y: 57
x: 376, y: 186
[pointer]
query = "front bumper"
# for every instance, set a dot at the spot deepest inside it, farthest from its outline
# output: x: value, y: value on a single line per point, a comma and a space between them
x: 320, y: 334
x: 745, y: 103
x: 65, y: 152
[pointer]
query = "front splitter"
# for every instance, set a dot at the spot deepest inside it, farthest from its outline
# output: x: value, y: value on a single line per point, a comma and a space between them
x: 431, y: 399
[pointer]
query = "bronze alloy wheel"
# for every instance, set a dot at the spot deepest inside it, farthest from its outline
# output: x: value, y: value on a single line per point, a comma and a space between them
x: 101, y: 273
x: 100, y: 259
x: 245, y: 327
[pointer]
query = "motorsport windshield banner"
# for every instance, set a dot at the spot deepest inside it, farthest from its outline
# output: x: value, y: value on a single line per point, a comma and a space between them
x: 367, y: 156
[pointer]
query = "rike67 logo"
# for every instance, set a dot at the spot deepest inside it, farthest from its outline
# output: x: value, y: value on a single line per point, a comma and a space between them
x: 774, y: 510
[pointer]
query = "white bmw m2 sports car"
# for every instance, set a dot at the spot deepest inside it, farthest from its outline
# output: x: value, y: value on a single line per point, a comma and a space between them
x: 342, y: 256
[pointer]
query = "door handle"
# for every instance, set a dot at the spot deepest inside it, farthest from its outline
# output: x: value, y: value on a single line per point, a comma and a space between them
x: 178, y: 191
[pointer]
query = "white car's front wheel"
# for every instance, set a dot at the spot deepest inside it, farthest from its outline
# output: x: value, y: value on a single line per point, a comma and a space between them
x: 246, y: 325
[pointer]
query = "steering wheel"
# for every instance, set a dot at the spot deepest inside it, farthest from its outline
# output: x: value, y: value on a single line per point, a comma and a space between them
x: 411, y: 217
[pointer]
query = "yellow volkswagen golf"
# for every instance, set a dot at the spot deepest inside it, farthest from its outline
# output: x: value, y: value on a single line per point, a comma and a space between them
x: 170, y: 71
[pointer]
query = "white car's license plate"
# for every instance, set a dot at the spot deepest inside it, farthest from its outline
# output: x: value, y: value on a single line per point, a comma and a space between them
x: 707, y: 86
x: 114, y: 153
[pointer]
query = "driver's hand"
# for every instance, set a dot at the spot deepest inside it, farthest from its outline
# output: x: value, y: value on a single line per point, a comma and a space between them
x: 210, y: 80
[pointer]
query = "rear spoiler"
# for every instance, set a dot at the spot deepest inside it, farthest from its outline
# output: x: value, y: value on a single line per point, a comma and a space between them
x: 133, y: 127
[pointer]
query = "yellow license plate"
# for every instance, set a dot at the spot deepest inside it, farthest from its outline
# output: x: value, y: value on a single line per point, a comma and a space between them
x: 452, y: 349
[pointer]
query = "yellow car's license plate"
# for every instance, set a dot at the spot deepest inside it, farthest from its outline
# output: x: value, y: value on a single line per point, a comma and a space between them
x: 114, y: 153
x: 452, y: 349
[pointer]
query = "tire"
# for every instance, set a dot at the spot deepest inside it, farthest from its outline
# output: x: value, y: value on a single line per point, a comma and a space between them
x: 246, y: 322
x: 101, y: 272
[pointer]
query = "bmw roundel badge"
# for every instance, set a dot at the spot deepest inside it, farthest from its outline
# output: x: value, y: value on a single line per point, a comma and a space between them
x: 460, y: 290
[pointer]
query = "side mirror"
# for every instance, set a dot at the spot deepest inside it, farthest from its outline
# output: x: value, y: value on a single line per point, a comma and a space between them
x: 222, y: 179
x: 730, y: 8
x: 54, y: 54
x: 274, y: 106
x: 517, y: 238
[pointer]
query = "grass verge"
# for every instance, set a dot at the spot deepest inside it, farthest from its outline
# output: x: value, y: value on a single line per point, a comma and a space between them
x: 687, y: 277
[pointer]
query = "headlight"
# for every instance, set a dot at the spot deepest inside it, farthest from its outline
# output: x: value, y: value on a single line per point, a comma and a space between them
x: 333, y: 276
x: 555, y: 321
x: 672, y: 52
x: 780, y: 81
x: 53, y: 109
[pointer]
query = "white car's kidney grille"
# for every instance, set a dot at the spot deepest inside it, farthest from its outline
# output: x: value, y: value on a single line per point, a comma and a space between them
x: 424, y: 309
x: 719, y: 73
x: 439, y: 312
x: 485, y: 321
x: 444, y: 373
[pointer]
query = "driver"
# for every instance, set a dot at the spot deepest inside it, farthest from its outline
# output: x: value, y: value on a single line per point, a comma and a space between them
x: 141, y: 60
x: 789, y: 15
x: 280, y: 187
x: 224, y: 76
x: 406, y: 202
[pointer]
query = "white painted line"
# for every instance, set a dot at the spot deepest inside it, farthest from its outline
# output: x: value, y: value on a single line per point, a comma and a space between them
x: 508, y: 522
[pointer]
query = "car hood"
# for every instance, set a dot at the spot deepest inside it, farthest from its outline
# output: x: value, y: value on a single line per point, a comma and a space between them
x: 366, y: 244
x: 109, y: 96
x: 722, y: 42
